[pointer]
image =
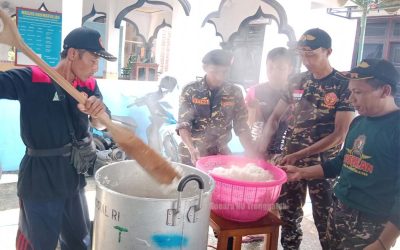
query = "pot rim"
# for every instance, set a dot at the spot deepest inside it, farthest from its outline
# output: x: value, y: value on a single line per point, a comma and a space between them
x: 104, y: 188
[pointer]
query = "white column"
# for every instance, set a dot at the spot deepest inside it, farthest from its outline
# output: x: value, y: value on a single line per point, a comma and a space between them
x: 190, y: 41
x: 121, y: 53
x: 71, y: 16
x: 112, y: 37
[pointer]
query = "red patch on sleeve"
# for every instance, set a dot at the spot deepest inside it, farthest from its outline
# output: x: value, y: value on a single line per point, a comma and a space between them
x: 39, y: 76
x: 89, y: 83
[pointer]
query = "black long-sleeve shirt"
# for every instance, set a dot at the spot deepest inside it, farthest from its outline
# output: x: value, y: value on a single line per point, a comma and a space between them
x: 44, y: 126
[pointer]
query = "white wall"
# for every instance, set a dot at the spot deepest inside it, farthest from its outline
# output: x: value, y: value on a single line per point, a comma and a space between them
x: 34, y: 4
x: 99, y: 5
x: 142, y: 21
x: 235, y: 11
x: 301, y: 18
x: 70, y: 9
x: 342, y: 31
x: 189, y: 41
x: 157, y: 19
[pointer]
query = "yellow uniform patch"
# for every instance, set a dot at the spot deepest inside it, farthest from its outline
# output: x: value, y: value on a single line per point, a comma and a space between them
x: 203, y: 101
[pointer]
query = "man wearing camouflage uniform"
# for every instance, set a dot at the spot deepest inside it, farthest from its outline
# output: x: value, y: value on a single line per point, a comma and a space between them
x: 208, y: 109
x: 365, y: 214
x: 321, y: 114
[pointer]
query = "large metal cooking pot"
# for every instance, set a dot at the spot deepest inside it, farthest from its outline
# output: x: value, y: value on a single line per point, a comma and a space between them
x: 134, y: 212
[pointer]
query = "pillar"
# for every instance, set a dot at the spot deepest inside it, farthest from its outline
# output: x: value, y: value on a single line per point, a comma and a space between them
x: 113, y: 37
x: 71, y: 16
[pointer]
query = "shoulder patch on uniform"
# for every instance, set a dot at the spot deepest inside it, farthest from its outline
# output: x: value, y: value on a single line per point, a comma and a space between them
x: 39, y: 76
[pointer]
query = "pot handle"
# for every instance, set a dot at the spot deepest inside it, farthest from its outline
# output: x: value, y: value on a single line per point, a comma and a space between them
x: 172, y: 213
x: 191, y: 177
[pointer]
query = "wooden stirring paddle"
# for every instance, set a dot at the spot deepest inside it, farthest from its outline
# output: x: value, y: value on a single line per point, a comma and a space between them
x: 150, y: 160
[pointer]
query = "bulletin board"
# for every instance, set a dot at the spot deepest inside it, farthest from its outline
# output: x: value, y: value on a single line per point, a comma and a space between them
x: 41, y: 31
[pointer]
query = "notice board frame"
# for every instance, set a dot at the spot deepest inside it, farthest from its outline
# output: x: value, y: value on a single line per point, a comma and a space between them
x: 34, y: 18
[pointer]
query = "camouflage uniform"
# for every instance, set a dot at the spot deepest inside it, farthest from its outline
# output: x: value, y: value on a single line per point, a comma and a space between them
x: 350, y: 229
x: 314, y: 104
x: 210, y: 115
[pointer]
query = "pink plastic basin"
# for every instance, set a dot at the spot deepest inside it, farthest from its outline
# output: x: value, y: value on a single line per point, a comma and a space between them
x: 237, y: 200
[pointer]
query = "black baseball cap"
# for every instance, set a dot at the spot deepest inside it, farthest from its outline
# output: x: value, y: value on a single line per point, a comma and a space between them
x: 315, y: 39
x: 87, y: 39
x: 376, y: 68
x: 218, y: 57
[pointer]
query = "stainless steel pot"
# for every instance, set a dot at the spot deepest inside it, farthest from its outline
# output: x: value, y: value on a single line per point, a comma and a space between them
x: 135, y: 212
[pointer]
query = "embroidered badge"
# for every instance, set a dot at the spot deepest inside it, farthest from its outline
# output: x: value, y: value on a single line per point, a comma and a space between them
x: 307, y: 37
x: 330, y: 99
x: 56, y: 98
x: 364, y: 65
x: 355, y: 158
x: 198, y: 101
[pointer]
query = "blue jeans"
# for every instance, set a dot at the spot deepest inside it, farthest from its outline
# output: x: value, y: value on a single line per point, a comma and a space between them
x: 43, y: 223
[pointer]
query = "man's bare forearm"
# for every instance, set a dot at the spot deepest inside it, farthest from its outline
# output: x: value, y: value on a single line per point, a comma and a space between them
x: 322, y: 145
x: 313, y: 172
x: 186, y: 137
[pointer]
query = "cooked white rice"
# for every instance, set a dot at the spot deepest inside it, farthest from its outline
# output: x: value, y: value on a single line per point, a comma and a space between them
x: 250, y: 172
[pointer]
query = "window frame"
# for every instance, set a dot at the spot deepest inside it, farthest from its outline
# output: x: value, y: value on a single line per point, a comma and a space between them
x: 386, y: 40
